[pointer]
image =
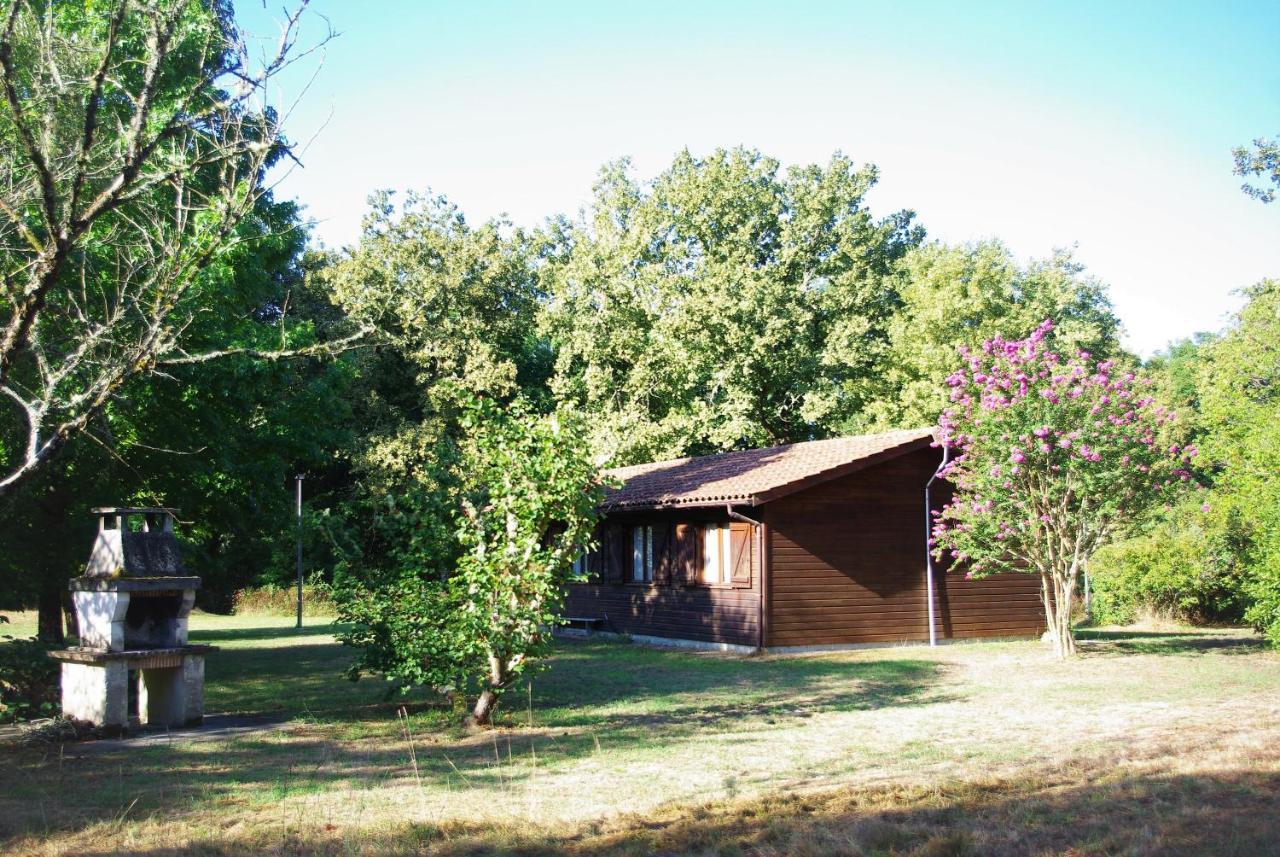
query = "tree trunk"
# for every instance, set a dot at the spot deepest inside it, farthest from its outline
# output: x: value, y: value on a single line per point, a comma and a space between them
x: 1058, y: 612
x: 482, y: 714
x: 49, y: 616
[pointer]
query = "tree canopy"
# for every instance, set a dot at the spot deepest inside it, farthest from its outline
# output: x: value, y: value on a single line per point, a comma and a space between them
x: 725, y: 304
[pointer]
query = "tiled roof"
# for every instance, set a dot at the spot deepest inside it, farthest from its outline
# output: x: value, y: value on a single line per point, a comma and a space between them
x: 754, y: 475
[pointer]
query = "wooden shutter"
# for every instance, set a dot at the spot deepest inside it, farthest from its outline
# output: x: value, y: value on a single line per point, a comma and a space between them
x: 617, y: 551
x: 662, y: 554
x: 740, y: 554
x: 685, y: 555
x: 595, y: 559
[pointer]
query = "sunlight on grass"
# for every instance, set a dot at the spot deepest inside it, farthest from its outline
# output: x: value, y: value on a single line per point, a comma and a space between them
x: 705, y: 748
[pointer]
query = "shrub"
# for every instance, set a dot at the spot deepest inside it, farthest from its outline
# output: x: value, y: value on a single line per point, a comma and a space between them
x: 317, y: 599
x: 28, y: 680
x: 1173, y: 570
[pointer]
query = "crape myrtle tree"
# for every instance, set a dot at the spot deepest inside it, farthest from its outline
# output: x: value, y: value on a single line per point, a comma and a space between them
x: 521, y: 500
x: 1051, y: 457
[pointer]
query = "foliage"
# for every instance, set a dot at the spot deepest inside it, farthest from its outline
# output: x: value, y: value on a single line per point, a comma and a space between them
x: 954, y: 296
x: 725, y: 304
x: 1260, y: 161
x: 1053, y: 457
x: 521, y: 503
x: 217, y: 440
x: 282, y: 600
x: 1180, y: 567
x: 136, y: 138
x: 1239, y: 380
x: 28, y: 679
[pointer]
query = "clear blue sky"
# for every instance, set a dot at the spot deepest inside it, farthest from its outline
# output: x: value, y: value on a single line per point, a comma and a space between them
x: 1102, y: 125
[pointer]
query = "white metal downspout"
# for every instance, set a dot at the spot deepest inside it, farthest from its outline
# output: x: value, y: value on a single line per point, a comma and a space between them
x: 928, y: 550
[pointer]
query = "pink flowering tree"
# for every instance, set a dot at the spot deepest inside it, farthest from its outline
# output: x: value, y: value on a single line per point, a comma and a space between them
x: 1049, y: 458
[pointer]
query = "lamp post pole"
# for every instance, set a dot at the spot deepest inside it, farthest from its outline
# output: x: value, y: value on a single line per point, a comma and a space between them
x: 298, y: 482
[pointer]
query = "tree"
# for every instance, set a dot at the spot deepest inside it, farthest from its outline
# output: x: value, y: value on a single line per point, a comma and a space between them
x: 136, y: 136
x: 1052, y: 458
x: 524, y: 496
x: 955, y: 296
x: 726, y: 304
x: 215, y: 439
x: 1239, y: 384
x: 1262, y: 161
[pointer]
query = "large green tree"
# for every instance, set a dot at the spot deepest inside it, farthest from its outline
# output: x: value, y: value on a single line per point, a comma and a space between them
x: 1239, y: 383
x: 1259, y: 161
x: 962, y: 296
x: 134, y: 140
x: 215, y: 439
x: 727, y: 303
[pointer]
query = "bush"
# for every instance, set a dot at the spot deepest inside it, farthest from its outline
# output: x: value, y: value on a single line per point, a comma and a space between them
x: 317, y: 599
x: 28, y: 680
x: 1174, y: 571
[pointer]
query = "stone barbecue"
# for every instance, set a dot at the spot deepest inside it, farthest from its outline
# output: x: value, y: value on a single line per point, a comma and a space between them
x: 133, y: 664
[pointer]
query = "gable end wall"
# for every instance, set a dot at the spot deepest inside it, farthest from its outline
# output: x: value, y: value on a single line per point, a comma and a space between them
x: 848, y: 566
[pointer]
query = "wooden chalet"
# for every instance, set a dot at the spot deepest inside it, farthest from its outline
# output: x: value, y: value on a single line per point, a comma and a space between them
x: 816, y: 544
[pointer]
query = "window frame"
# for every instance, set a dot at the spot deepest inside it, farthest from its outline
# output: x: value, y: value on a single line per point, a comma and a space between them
x: 643, y: 553
x: 724, y: 555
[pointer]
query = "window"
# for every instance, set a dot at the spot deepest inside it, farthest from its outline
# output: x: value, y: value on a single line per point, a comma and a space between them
x: 717, y: 556
x: 642, y: 555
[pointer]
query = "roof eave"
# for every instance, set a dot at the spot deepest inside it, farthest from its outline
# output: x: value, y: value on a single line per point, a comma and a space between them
x: 668, y: 505
x: 779, y: 490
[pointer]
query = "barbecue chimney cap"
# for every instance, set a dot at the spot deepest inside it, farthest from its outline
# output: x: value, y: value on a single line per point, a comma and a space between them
x: 133, y: 510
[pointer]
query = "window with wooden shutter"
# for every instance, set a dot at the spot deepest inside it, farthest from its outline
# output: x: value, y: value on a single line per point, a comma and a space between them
x: 643, y: 553
x: 740, y: 555
x: 716, y: 554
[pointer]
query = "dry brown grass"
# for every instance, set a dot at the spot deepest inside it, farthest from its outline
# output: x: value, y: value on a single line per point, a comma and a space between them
x: 1149, y: 744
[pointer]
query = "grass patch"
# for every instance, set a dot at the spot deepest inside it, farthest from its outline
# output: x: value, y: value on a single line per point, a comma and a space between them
x: 621, y: 749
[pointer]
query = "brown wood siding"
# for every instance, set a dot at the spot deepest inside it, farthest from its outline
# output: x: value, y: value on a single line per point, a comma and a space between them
x: 712, y: 614
x: 848, y: 566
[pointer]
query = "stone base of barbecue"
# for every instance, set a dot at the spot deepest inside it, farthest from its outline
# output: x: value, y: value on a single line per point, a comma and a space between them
x: 95, y: 686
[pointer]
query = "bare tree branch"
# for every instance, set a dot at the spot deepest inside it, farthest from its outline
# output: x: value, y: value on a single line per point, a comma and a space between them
x: 140, y: 139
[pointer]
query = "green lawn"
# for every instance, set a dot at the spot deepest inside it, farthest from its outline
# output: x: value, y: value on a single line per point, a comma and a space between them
x: 1149, y: 743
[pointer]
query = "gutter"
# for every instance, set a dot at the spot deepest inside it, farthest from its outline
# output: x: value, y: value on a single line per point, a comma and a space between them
x: 928, y: 553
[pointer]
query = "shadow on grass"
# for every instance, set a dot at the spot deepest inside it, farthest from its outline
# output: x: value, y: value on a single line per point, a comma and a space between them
x: 1231, y: 814
x: 214, y: 635
x: 594, y: 694
x: 1125, y: 642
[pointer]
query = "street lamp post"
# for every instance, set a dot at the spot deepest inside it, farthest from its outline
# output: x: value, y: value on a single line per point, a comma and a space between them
x: 298, y: 481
